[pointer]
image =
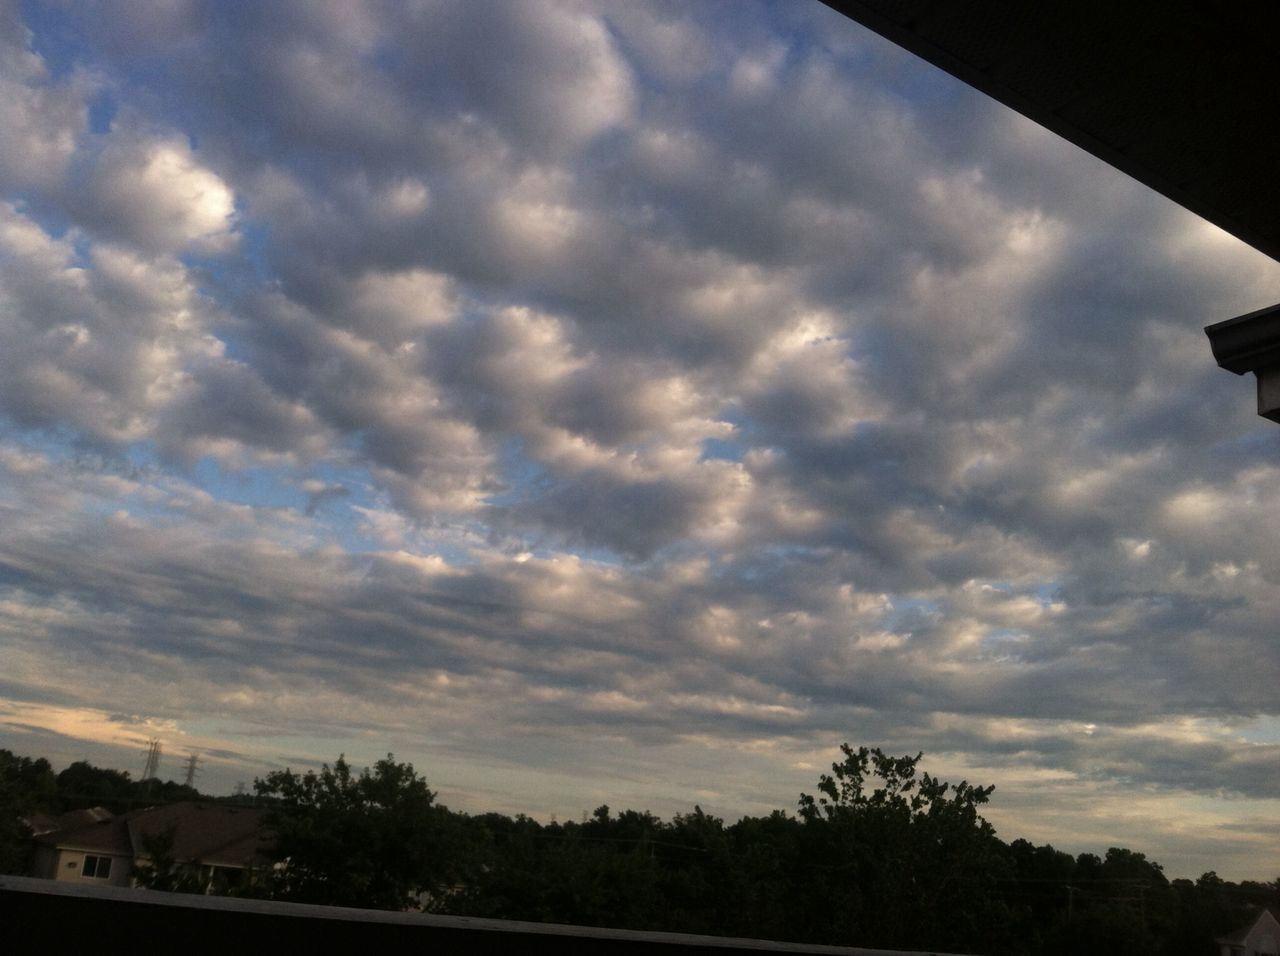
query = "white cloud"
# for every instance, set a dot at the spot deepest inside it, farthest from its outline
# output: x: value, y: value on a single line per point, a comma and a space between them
x: 153, y: 192
x: 100, y: 344
x: 653, y: 393
x: 43, y: 119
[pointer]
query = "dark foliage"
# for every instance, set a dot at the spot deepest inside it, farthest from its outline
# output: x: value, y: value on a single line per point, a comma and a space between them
x: 374, y: 839
x: 161, y: 871
x: 881, y: 855
x: 27, y: 786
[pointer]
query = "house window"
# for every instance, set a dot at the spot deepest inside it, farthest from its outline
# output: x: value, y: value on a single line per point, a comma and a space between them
x: 97, y: 866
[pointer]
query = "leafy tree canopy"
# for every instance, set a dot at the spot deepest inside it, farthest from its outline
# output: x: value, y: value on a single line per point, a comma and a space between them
x: 912, y: 861
x: 845, y: 792
x: 26, y: 785
x: 375, y: 839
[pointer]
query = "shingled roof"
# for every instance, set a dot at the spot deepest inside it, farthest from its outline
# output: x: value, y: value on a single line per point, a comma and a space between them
x: 1265, y: 920
x: 214, y: 834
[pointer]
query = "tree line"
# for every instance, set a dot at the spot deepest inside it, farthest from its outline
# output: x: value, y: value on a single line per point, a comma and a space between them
x: 881, y: 855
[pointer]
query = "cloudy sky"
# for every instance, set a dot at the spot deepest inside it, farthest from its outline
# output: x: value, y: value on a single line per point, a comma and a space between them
x: 618, y: 402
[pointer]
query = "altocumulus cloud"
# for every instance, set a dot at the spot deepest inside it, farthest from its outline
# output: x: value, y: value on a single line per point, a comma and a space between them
x: 609, y: 400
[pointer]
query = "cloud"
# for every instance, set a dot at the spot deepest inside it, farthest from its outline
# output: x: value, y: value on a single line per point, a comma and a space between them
x: 318, y: 493
x: 94, y: 342
x: 153, y: 193
x: 44, y: 119
x: 583, y: 87
x: 616, y: 389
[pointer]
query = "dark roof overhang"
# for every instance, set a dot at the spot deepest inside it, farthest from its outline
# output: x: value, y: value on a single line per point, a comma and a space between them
x: 1251, y: 343
x: 1181, y: 96
x: 1247, y: 343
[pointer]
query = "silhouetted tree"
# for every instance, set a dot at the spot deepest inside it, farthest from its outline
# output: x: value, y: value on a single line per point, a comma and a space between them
x: 914, y: 864
x: 26, y: 787
x: 84, y: 785
x: 375, y: 839
x: 160, y: 870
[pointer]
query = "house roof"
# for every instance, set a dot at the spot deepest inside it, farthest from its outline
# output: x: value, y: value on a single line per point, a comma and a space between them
x: 210, y: 833
x: 108, y: 836
x: 73, y: 819
x: 1180, y: 96
x: 213, y: 833
x: 1241, y: 936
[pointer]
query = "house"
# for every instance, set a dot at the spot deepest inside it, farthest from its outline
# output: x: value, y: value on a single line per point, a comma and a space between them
x: 213, y: 843
x: 46, y: 823
x: 84, y: 847
x: 1259, y: 938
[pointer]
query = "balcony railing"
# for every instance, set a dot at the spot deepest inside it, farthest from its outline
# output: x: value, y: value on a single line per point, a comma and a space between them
x: 107, y: 916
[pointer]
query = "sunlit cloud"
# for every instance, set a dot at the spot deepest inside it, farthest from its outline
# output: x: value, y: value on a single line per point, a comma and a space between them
x: 609, y: 402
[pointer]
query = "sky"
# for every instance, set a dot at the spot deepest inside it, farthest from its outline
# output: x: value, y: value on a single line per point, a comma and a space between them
x: 619, y: 402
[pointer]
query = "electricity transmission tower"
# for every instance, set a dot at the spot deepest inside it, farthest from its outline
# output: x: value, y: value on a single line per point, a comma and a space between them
x: 152, y: 767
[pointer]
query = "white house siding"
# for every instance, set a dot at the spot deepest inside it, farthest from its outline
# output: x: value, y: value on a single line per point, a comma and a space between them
x: 70, y: 868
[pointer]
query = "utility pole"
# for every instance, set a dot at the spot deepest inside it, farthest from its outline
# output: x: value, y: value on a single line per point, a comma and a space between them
x: 192, y: 760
